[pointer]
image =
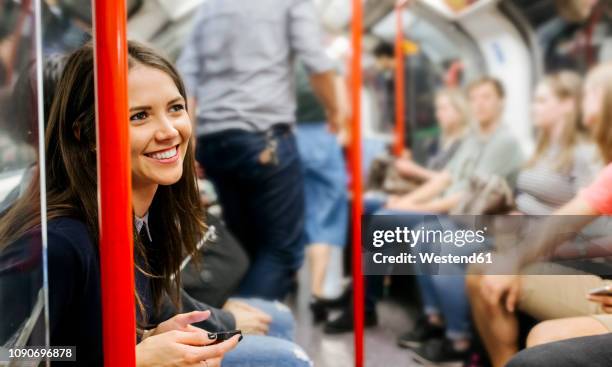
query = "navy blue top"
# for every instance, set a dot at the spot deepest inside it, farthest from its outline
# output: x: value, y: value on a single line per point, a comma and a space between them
x: 75, y: 310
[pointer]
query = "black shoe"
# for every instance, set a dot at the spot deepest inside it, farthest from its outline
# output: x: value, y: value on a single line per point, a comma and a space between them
x: 344, y: 323
x: 422, y: 331
x: 319, y: 311
x: 438, y: 351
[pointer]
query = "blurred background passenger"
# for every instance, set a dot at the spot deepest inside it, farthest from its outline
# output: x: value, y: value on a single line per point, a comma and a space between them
x: 452, y: 115
x: 325, y: 187
x: 495, y: 298
x: 487, y: 144
x: 384, y: 54
x: 563, y: 160
x: 239, y: 73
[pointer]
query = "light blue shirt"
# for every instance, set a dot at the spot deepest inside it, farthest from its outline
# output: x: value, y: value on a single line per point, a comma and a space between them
x: 239, y: 61
x: 143, y: 222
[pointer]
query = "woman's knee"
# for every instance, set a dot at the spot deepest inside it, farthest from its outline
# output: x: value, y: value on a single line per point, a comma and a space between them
x: 543, y: 333
x: 562, y: 329
x: 256, y: 350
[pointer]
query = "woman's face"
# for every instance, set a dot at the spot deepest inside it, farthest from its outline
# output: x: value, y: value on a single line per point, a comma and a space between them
x: 447, y: 115
x: 160, y: 128
x: 592, y: 101
x: 547, y: 110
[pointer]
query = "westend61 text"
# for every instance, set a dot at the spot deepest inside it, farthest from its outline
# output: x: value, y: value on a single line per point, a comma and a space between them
x: 432, y: 258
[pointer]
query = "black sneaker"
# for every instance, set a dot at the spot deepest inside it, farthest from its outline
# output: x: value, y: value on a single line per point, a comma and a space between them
x: 319, y: 310
x: 344, y: 323
x: 422, y: 331
x: 439, y: 351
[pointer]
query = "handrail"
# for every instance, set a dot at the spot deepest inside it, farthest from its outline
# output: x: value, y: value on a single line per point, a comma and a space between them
x: 114, y: 184
x: 356, y: 179
x: 400, y: 93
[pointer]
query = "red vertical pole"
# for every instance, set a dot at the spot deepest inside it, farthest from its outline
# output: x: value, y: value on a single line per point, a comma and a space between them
x: 356, y: 179
x: 400, y: 125
x: 114, y: 184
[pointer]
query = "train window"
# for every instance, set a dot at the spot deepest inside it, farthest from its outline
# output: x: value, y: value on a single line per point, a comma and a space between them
x: 572, y: 35
x: 433, y: 48
x: 22, y: 299
x: 28, y: 75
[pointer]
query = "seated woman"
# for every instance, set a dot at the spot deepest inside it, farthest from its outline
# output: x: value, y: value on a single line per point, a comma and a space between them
x: 495, y: 298
x: 453, y: 118
x: 561, y: 161
x: 168, y: 219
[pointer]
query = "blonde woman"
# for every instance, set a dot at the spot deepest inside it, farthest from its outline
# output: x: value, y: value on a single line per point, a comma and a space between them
x: 452, y: 114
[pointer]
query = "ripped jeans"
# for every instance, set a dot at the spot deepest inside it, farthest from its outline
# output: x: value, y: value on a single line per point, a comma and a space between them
x: 275, y: 349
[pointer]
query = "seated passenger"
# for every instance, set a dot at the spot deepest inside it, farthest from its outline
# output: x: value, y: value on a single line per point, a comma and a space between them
x: 453, y: 118
x: 495, y: 298
x: 481, y: 152
x: 561, y: 161
x: 398, y: 176
x: 159, y: 124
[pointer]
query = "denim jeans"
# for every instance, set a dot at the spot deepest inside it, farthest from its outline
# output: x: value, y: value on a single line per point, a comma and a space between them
x: 441, y: 294
x: 374, y: 283
x: 283, y: 323
x: 256, y: 351
x: 445, y: 294
x: 276, y: 348
x: 263, y: 204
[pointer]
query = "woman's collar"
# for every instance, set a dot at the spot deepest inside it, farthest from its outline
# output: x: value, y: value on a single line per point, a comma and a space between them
x: 143, y: 222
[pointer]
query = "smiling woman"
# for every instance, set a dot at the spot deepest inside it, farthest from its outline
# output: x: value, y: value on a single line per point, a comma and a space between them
x: 165, y: 197
x: 160, y: 131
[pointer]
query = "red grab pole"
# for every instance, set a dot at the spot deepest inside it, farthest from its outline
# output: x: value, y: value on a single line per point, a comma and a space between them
x: 400, y: 125
x: 356, y: 179
x: 114, y: 184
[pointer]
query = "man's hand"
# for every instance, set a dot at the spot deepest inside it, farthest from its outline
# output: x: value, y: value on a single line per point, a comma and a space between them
x: 248, y: 319
x: 496, y: 288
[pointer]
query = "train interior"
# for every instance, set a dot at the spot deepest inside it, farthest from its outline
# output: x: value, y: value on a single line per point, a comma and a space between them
x: 444, y: 43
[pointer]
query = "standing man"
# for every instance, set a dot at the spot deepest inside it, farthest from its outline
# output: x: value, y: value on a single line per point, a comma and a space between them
x: 238, y: 67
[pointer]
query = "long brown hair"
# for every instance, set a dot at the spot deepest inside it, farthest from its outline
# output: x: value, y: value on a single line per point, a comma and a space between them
x: 565, y: 85
x: 601, y: 77
x: 70, y: 144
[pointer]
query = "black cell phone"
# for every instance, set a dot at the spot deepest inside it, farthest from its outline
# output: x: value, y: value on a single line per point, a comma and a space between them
x: 226, y: 335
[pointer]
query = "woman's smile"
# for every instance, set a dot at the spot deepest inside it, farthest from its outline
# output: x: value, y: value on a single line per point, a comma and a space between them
x: 165, y: 156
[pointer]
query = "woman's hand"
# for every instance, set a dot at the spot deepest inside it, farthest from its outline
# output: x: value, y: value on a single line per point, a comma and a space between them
x: 249, y: 319
x: 605, y: 301
x: 183, y: 348
x: 180, y: 322
x: 494, y: 288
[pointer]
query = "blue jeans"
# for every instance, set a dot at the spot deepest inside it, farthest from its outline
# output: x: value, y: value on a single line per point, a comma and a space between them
x: 445, y: 294
x: 263, y: 204
x: 325, y: 185
x: 256, y: 351
x: 374, y: 283
x: 283, y: 323
x: 441, y: 294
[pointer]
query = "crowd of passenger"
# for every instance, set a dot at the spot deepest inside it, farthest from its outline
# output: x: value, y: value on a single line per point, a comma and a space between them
x: 264, y: 118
